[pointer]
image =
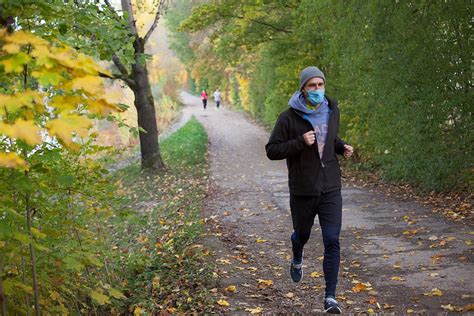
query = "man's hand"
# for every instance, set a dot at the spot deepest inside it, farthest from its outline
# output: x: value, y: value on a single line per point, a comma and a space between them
x: 309, y: 138
x: 348, y: 151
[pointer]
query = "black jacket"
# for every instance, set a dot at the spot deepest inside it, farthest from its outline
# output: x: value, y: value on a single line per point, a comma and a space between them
x: 307, y: 174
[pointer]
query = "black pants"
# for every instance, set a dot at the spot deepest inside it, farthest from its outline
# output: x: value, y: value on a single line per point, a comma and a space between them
x: 218, y: 103
x: 328, y: 207
x: 204, y: 103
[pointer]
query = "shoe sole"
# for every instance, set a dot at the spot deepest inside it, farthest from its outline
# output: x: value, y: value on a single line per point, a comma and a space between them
x: 333, y: 310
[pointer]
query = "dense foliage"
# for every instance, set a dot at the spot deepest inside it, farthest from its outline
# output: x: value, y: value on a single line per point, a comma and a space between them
x: 400, y: 70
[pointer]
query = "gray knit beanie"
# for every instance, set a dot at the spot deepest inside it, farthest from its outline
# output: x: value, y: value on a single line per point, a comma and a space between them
x: 308, y: 73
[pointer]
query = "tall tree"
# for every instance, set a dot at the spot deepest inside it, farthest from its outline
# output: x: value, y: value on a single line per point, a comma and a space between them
x: 98, y: 29
x: 138, y: 81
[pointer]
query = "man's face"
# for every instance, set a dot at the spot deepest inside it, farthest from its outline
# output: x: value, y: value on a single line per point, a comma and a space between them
x: 315, y: 83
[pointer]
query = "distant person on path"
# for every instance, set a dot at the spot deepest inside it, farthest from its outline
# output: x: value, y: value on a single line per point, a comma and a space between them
x: 217, y: 97
x: 306, y: 136
x: 204, y: 98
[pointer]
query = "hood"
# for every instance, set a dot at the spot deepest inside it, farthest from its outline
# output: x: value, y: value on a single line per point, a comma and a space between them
x: 298, y: 102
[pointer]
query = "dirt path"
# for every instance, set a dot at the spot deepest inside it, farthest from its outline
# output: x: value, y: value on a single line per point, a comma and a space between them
x: 395, y: 251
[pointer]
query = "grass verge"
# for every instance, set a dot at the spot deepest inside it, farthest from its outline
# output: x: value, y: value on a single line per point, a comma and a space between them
x: 161, y: 265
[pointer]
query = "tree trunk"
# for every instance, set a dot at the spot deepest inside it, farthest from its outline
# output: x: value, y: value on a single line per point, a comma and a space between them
x: 145, y: 105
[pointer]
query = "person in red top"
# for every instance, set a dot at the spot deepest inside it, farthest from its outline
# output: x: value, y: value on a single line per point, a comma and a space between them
x: 204, y: 98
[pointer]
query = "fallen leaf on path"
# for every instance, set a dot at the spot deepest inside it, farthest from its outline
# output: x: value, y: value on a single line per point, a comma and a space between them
x: 410, y: 232
x: 222, y: 302
x: 355, y: 264
x: 436, y: 258
x: 359, y: 288
x: 388, y: 306
x: 397, y: 278
x: 261, y: 240
x: 448, y: 307
x: 434, y: 292
x: 410, y: 311
x: 231, y: 288
x: 468, y: 308
x: 433, y: 274
x: 373, y: 300
x: 315, y: 275
x: 256, y: 310
x: 263, y: 284
x: 289, y: 295
x: 433, y: 238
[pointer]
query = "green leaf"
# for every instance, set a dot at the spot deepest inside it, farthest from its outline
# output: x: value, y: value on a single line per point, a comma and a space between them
x: 99, y: 297
x: 72, y: 264
x: 116, y: 294
x: 23, y: 238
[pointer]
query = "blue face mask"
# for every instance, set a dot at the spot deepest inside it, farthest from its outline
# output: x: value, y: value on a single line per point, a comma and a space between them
x: 315, y: 96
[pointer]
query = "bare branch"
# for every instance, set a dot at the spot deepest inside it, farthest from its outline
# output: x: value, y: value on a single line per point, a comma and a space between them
x: 127, y: 7
x: 123, y: 70
x: 130, y: 82
x: 155, y: 21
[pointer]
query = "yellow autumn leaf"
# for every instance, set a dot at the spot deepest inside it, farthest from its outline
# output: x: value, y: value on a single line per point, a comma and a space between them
x: 90, y: 84
x: 66, y: 126
x: 253, y: 311
x: 263, y: 284
x: 231, y: 288
x: 66, y: 102
x: 434, y: 292
x: 396, y: 278
x: 24, y: 130
x: 223, y: 302
x: 260, y: 240
x: 100, y: 107
x: 27, y: 99
x: 16, y: 62
x: 11, y: 48
x: 43, y: 56
x: 137, y: 311
x: 315, y: 274
x: 11, y: 160
x: 156, y: 282
x: 23, y: 38
x: 63, y: 56
x: 88, y: 66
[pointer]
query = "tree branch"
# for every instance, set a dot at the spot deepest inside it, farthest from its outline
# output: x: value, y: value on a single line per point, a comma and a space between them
x: 155, y: 22
x: 127, y: 7
x: 123, y: 70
